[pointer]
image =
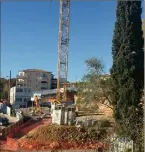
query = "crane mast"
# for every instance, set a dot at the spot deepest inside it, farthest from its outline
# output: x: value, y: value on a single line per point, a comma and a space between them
x: 63, y: 42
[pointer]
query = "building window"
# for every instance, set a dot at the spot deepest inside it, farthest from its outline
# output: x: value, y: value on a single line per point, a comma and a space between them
x: 36, y: 86
x: 36, y: 79
x: 25, y: 89
x: 44, y: 75
x: 19, y: 90
x: 25, y: 99
x: 43, y: 88
x: 43, y: 81
x: 18, y: 99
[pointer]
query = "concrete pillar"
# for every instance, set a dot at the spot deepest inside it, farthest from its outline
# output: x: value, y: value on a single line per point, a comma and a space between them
x: 63, y: 115
x: 71, y: 115
x: 66, y: 116
x: 57, y: 116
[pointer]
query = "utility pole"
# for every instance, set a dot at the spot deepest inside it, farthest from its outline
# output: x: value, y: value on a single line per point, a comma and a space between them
x: 76, y: 82
x: 9, y: 86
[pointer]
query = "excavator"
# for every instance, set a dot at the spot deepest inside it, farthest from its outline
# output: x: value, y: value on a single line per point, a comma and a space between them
x: 37, y: 108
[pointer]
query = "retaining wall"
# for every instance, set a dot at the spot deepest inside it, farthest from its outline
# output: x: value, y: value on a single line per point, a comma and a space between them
x: 13, y: 127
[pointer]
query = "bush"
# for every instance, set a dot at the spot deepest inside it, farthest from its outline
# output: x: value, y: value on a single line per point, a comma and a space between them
x: 105, y: 123
x: 128, y: 150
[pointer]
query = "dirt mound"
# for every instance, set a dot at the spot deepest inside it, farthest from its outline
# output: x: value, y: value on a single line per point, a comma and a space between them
x: 64, y: 133
x: 31, y: 145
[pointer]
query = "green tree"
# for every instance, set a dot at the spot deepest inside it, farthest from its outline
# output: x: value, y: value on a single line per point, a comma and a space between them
x: 13, y: 82
x: 1, y: 88
x: 2, y: 84
x: 93, y: 87
x: 127, y: 71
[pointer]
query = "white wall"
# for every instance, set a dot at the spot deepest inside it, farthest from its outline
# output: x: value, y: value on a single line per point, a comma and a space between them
x: 19, y: 95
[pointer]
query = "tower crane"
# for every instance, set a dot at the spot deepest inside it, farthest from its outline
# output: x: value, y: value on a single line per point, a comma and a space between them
x: 63, y: 44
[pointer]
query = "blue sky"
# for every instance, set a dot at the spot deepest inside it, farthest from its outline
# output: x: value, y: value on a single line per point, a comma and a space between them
x: 30, y: 35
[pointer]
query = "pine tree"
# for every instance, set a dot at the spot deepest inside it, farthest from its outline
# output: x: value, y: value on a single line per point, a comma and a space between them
x: 128, y: 69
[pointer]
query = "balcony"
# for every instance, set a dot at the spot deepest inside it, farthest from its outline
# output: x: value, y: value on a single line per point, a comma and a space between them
x: 53, y: 86
x: 22, y: 76
x: 21, y: 85
x: 44, y: 88
x: 21, y: 81
x: 54, y: 81
x: 43, y: 82
x: 44, y: 79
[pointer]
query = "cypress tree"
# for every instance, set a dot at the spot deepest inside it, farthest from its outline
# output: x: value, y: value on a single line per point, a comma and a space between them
x: 128, y: 70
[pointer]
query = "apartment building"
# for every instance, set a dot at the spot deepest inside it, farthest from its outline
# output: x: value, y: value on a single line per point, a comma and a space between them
x: 20, y: 96
x: 36, y: 79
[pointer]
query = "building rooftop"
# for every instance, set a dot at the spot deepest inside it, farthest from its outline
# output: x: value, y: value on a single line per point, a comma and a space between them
x: 20, y: 87
x: 35, y: 70
x: 52, y: 91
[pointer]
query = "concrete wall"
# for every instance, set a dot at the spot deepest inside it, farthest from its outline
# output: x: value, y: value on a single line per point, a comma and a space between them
x: 62, y: 114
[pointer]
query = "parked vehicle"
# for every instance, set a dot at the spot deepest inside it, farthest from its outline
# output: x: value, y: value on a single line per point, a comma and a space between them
x: 3, y: 121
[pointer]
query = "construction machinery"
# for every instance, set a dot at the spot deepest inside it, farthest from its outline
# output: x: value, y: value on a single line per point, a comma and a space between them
x: 54, y: 100
x: 36, y: 104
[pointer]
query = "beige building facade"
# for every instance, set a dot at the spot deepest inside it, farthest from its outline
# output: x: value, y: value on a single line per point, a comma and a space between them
x: 36, y: 79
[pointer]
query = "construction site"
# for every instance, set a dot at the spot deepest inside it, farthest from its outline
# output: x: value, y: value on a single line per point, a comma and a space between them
x: 60, y: 126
